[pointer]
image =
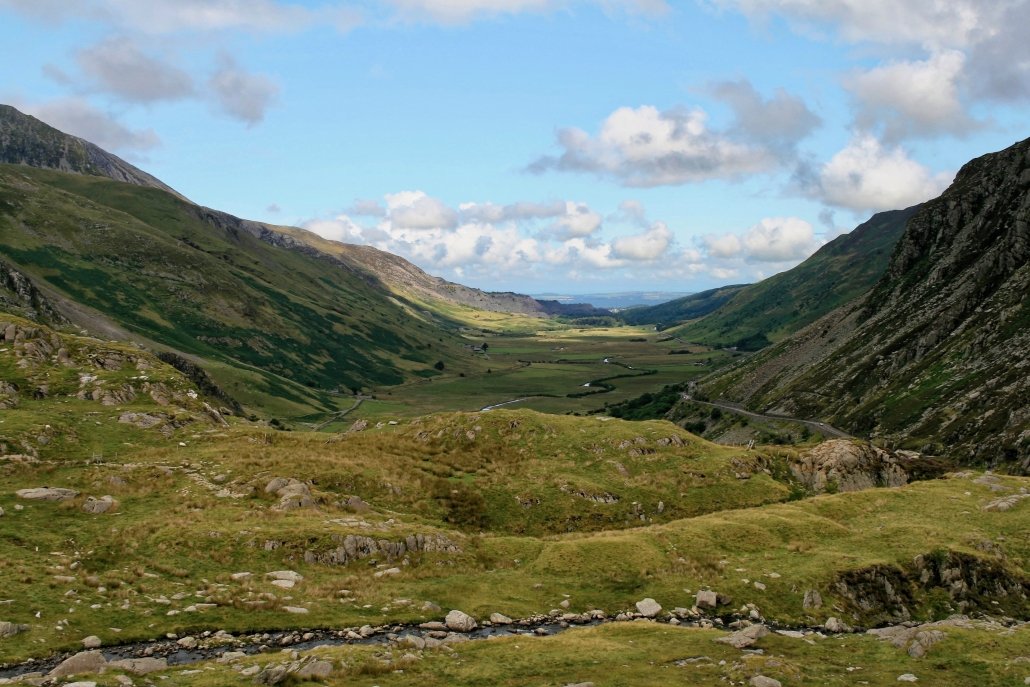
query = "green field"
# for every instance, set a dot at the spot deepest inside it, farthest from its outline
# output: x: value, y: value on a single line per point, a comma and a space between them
x: 547, y: 370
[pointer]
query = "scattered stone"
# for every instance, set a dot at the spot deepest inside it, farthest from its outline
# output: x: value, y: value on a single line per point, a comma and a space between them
x: 500, y: 619
x: 236, y: 577
x: 287, y: 575
x: 81, y: 684
x: 459, y: 621
x: 47, y: 494
x: 98, y: 506
x: 813, y: 599
x: 82, y: 662
x: 763, y: 681
x: 188, y: 643
x: 92, y: 642
x: 388, y: 571
x: 649, y: 608
x: 8, y: 629
x: 907, y: 677
x: 295, y: 609
x: 317, y: 670
x: 706, y: 599
x: 835, y: 625
x: 140, y: 666
x: 741, y: 639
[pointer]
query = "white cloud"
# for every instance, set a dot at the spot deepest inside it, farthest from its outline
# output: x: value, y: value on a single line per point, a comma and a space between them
x: 918, y: 98
x: 118, y: 66
x: 722, y: 246
x: 773, y: 239
x: 485, y: 239
x: 868, y: 176
x: 930, y: 23
x: 79, y: 118
x: 780, y: 121
x: 240, y: 94
x: 416, y: 210
x: 579, y: 221
x: 647, y: 147
x: 650, y: 245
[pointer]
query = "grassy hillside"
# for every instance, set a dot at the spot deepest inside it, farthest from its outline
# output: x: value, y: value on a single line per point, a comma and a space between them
x: 682, y: 309
x: 774, y: 308
x: 282, y: 329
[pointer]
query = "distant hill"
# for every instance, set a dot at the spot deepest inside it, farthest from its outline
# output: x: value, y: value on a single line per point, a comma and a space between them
x: 757, y: 315
x: 937, y: 355
x: 682, y: 309
x: 615, y: 300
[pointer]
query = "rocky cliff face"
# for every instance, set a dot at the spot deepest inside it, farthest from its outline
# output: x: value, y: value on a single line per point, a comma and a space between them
x: 25, y: 140
x: 936, y: 356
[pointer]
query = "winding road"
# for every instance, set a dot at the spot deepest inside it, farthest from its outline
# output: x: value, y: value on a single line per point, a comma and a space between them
x: 821, y: 427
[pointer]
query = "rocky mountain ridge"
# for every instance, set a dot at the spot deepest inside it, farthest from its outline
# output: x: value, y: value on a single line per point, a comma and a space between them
x: 937, y: 355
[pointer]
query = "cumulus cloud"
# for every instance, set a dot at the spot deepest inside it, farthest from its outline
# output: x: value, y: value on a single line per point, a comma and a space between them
x: 780, y: 121
x: 366, y: 207
x: 241, y: 94
x: 930, y: 23
x: 773, y: 239
x: 916, y: 98
x: 118, y: 66
x: 999, y: 68
x: 417, y: 210
x: 483, y: 238
x: 647, y: 147
x: 650, y: 245
x: 867, y: 175
x: 79, y: 118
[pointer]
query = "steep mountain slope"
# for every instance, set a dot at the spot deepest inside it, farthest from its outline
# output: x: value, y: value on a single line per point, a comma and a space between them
x: 937, y: 355
x: 25, y: 140
x: 778, y: 306
x: 682, y: 309
x: 282, y: 326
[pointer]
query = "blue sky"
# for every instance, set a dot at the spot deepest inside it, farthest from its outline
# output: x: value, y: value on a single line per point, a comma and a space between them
x: 538, y: 145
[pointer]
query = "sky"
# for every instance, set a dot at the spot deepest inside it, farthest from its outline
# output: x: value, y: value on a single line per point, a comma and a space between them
x: 572, y: 146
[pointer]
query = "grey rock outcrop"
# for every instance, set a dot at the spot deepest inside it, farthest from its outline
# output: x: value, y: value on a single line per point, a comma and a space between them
x: 47, y: 494
x: 845, y: 465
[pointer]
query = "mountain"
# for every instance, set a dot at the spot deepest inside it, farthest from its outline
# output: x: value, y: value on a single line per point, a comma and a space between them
x: 937, y: 355
x: 681, y: 309
x: 751, y: 317
x: 616, y: 299
x: 24, y: 140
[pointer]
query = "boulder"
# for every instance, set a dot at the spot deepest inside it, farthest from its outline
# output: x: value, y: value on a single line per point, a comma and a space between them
x: 835, y: 625
x: 91, y: 642
x: 47, y: 494
x: 706, y: 599
x: 846, y: 465
x: 741, y: 639
x: 316, y: 670
x: 763, y: 681
x: 82, y: 662
x: 648, y: 608
x: 8, y: 629
x: 98, y: 506
x: 298, y: 610
x: 813, y: 599
x: 500, y: 619
x: 288, y: 575
x: 460, y: 622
